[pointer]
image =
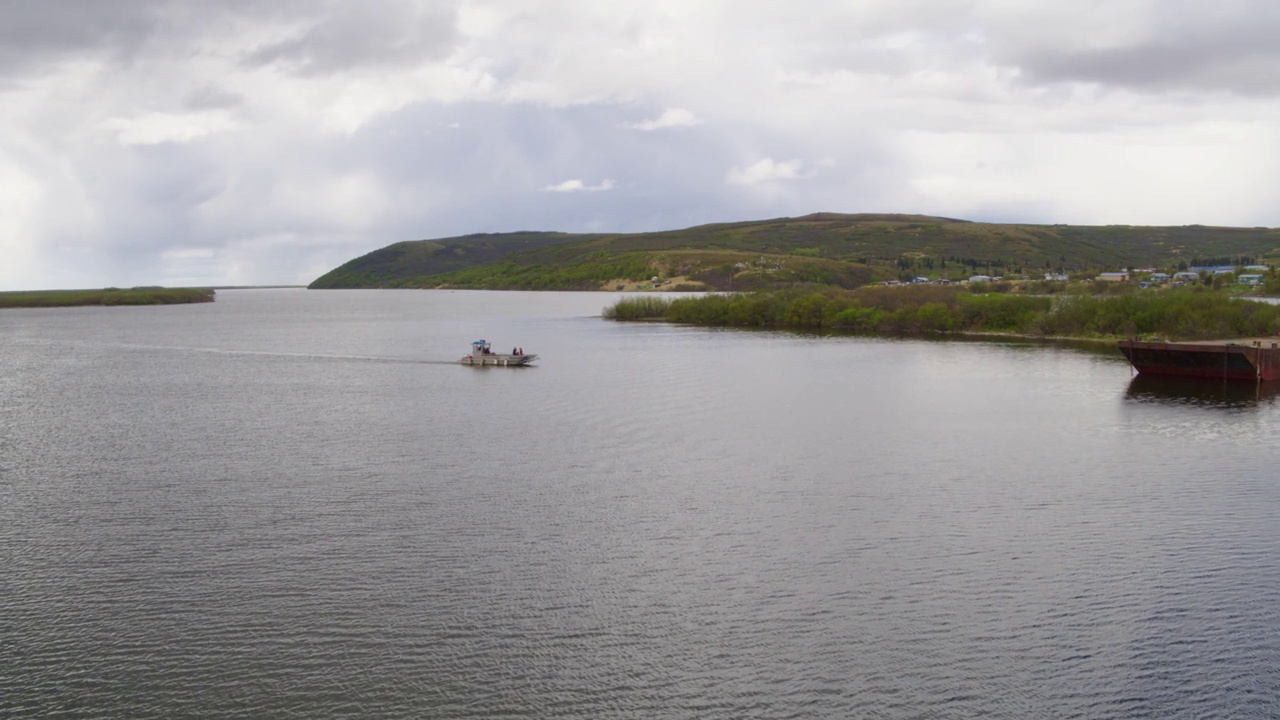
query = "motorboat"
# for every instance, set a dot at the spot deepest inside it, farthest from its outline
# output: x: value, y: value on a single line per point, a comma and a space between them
x: 482, y: 354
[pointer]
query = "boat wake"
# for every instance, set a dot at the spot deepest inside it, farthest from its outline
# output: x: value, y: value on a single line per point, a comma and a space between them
x: 303, y: 356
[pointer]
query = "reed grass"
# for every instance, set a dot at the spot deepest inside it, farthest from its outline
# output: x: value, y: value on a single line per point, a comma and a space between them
x: 106, y: 296
x: 1168, y: 315
x: 648, y: 307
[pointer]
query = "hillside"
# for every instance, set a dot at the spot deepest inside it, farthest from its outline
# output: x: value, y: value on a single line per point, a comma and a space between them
x: 395, y: 264
x: 823, y: 249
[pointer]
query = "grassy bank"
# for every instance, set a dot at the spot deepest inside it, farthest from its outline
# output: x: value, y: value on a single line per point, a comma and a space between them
x: 1185, y: 315
x: 106, y: 296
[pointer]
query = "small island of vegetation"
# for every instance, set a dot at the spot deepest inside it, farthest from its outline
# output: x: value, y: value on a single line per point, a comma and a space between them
x: 106, y: 296
x: 1175, y: 314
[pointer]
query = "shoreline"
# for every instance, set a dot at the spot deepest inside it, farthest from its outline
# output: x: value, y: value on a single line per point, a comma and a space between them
x: 937, y: 335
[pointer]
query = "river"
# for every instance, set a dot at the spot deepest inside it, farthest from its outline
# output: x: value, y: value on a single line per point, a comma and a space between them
x: 295, y: 504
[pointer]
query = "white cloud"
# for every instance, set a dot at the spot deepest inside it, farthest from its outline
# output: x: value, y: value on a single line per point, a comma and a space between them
x: 766, y: 170
x: 188, y: 253
x: 670, y: 118
x: 19, y: 225
x: 575, y: 185
x: 152, y: 126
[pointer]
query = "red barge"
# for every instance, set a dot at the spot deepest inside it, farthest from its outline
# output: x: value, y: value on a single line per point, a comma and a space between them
x: 1252, y: 359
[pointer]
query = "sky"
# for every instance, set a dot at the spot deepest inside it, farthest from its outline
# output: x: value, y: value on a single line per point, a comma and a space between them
x: 241, y: 142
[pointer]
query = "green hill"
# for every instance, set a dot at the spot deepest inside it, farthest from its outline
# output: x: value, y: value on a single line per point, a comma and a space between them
x: 822, y: 249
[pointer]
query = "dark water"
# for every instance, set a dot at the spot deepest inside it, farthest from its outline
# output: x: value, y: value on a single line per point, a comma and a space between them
x: 286, y: 504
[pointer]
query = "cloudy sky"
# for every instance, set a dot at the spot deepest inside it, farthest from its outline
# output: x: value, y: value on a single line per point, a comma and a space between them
x: 266, y: 141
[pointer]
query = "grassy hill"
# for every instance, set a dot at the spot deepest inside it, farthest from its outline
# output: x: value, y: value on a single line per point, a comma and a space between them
x: 406, y: 262
x: 819, y: 249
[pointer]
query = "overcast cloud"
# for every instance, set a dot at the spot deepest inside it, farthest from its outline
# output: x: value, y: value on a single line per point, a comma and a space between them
x: 267, y: 141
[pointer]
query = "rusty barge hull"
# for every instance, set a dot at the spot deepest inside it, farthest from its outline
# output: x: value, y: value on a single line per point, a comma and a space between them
x: 1254, y: 360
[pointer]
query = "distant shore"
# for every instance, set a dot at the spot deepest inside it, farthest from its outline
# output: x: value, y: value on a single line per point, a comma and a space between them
x: 106, y: 296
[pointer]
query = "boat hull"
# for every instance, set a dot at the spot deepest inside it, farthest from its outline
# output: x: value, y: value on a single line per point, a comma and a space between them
x: 1252, y: 360
x: 495, y: 360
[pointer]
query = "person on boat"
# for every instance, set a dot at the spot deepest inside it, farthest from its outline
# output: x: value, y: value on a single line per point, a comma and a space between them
x: 515, y: 351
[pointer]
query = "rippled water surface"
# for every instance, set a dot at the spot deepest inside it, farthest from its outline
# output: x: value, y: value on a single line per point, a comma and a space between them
x: 290, y: 503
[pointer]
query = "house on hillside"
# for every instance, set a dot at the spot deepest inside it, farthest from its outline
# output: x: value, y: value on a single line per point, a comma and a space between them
x: 1114, y: 276
x: 1159, y: 278
x: 1252, y: 280
x: 1186, y: 276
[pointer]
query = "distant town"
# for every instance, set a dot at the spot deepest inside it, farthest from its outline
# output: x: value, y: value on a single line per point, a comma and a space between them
x: 1216, y: 275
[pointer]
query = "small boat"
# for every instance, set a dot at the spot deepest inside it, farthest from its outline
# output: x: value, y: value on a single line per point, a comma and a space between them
x: 482, y: 354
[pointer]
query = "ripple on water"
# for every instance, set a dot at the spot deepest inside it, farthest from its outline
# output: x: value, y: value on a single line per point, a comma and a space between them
x: 706, y: 524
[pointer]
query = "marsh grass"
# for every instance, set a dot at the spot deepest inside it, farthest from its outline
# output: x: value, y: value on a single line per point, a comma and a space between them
x: 648, y: 307
x: 1182, y: 315
x: 106, y: 296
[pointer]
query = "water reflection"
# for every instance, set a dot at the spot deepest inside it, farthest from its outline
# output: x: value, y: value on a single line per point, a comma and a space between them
x: 1202, y: 392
